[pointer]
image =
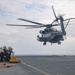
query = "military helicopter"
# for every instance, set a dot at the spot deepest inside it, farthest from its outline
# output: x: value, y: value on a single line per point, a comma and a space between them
x: 49, y: 34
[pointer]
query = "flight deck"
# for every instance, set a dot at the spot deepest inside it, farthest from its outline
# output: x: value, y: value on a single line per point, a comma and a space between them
x: 41, y: 65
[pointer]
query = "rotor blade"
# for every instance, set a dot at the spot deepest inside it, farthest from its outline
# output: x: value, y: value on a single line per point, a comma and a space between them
x: 48, y: 25
x: 22, y: 25
x: 54, y: 12
x: 53, y: 21
x: 27, y: 26
x: 71, y: 24
x: 34, y: 26
x: 30, y: 21
x: 69, y: 19
x: 67, y: 23
x: 55, y: 16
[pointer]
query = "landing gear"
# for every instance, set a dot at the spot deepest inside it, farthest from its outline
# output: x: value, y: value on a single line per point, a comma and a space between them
x: 59, y: 43
x: 65, y: 37
x: 51, y: 43
x: 44, y: 43
x: 38, y: 37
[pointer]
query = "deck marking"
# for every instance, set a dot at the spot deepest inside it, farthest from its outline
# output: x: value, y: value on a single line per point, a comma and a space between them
x: 35, y: 68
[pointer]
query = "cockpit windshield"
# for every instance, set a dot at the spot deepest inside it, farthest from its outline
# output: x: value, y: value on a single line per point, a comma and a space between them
x: 48, y: 30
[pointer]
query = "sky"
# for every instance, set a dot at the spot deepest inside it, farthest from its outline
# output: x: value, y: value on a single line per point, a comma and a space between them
x: 24, y: 41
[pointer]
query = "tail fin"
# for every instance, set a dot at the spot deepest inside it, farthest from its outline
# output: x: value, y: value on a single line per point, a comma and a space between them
x: 62, y: 25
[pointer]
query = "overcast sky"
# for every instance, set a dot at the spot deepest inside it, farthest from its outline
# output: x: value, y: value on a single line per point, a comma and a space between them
x: 24, y: 41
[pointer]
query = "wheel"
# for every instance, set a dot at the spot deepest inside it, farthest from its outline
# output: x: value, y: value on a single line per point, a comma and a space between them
x: 59, y: 43
x: 44, y: 43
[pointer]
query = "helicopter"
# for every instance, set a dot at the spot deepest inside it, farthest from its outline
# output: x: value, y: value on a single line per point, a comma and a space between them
x: 49, y: 34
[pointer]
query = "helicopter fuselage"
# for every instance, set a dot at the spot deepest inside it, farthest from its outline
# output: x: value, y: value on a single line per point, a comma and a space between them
x: 51, y: 35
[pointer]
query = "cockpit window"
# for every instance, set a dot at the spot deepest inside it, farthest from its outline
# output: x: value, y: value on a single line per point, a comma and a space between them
x: 47, y: 30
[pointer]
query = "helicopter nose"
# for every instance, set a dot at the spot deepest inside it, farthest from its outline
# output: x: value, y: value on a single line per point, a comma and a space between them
x: 38, y: 38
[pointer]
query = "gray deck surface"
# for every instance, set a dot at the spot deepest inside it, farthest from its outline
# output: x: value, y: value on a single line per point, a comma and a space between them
x: 38, y: 65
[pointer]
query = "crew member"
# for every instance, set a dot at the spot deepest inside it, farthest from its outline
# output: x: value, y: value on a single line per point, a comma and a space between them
x: 1, y: 54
